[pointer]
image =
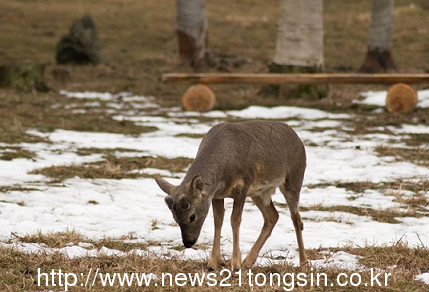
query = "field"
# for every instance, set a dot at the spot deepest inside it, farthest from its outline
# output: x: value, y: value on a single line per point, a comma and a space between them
x: 76, y: 163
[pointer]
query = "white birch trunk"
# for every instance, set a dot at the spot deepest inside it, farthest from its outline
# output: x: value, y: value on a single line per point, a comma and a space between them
x: 380, y: 30
x: 300, y: 34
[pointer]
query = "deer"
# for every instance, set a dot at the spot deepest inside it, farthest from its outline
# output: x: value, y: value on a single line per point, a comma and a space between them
x: 239, y: 160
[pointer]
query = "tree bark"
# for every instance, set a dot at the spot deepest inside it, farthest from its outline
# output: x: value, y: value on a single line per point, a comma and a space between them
x: 379, y: 57
x: 192, y: 28
x: 300, y: 34
x: 299, y: 46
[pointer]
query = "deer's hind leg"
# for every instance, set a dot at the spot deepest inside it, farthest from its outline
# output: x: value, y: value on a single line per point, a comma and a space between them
x: 291, y: 190
x: 218, y: 208
x: 271, y: 216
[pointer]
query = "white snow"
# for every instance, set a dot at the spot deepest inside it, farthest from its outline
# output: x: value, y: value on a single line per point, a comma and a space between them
x: 134, y: 206
x: 378, y: 98
x: 423, y: 277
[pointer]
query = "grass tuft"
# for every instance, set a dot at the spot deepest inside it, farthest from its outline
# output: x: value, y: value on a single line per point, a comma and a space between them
x: 113, y: 168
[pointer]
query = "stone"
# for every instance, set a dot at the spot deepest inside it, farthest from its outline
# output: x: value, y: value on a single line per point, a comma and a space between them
x: 81, y: 45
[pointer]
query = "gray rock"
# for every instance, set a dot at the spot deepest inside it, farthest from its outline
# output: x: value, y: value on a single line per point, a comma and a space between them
x: 81, y: 45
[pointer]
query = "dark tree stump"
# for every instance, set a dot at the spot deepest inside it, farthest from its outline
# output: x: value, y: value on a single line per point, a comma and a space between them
x: 378, y: 61
x: 81, y: 45
x: 190, y: 54
x: 27, y: 77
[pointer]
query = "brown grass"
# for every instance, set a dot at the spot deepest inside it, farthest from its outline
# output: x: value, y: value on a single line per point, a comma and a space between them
x: 20, y: 271
x: 113, y: 168
x: 418, y: 156
x: 386, y: 215
x: 13, y: 152
x: 414, y: 205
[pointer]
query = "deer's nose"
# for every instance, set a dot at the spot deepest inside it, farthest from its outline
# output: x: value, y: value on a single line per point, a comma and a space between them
x: 188, y: 243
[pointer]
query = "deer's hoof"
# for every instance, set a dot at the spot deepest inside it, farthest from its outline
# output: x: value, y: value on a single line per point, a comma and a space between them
x: 248, y: 263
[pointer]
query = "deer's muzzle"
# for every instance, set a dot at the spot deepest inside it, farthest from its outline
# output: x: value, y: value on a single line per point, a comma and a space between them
x: 188, y: 243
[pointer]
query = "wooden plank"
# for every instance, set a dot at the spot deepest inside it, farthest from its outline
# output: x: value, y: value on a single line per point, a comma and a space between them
x: 316, y: 78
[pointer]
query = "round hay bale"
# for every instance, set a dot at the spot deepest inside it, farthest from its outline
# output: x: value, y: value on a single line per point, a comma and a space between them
x: 401, y: 98
x: 198, y: 98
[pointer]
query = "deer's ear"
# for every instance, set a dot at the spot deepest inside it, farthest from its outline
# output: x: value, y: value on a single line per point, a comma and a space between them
x: 169, y: 201
x: 197, y: 186
x: 164, y: 185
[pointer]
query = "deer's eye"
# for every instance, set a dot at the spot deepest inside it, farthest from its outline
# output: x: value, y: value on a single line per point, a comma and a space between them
x: 192, y: 218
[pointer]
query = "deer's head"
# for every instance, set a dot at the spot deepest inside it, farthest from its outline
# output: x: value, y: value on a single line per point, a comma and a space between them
x: 189, y: 206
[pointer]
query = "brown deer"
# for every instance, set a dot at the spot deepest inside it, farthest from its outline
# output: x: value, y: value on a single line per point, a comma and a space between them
x: 239, y: 160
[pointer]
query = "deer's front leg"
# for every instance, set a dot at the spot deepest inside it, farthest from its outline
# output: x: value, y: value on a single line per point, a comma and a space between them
x: 237, y: 211
x: 218, y: 213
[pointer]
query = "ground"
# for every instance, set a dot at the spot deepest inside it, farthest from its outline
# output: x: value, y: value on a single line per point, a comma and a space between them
x: 73, y: 164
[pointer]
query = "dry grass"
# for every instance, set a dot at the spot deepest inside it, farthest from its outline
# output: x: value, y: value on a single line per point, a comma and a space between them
x: 418, y: 156
x: 114, y: 168
x: 412, y: 205
x: 384, y: 215
x: 13, y: 152
x: 417, y: 139
x: 20, y: 271
x: 417, y: 185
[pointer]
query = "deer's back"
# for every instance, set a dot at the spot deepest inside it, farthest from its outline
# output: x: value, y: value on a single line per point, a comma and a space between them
x: 256, y: 152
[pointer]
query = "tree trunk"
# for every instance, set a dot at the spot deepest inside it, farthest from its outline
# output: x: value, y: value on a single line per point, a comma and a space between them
x: 299, y: 46
x: 379, y: 57
x: 192, y: 33
x: 300, y: 34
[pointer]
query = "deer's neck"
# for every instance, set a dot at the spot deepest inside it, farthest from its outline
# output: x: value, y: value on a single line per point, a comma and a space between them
x: 211, y: 175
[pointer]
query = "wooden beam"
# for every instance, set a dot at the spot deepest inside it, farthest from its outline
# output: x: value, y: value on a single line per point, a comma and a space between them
x: 316, y: 78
